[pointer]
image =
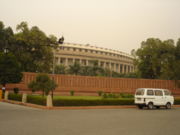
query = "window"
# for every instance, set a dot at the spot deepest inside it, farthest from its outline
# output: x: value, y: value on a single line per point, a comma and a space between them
x: 150, y: 92
x: 167, y: 92
x: 140, y: 92
x: 158, y: 93
x: 62, y: 48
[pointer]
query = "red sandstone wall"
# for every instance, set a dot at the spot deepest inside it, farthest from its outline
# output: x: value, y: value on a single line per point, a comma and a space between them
x: 87, y: 84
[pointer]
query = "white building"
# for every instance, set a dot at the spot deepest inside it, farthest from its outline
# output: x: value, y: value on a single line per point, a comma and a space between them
x: 69, y: 53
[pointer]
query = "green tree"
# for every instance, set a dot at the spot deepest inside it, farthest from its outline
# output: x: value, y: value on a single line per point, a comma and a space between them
x: 75, y: 69
x: 96, y: 70
x: 60, y: 69
x: 6, y: 37
x: 42, y: 83
x: 10, y: 70
x: 85, y: 70
x: 107, y: 72
x: 176, y: 64
x: 154, y: 58
x: 34, y: 48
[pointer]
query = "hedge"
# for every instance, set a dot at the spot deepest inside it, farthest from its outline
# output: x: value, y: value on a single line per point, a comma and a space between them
x: 177, y: 101
x: 94, y: 102
x: 35, y: 99
x: 16, y: 97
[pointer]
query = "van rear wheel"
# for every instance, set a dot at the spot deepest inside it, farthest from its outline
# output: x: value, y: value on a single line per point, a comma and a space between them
x: 150, y: 105
x: 168, y: 106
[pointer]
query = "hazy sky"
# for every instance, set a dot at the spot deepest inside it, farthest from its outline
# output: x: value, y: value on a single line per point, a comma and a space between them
x: 115, y: 24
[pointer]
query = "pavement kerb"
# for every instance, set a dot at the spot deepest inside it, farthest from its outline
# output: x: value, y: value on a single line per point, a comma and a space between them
x: 73, y: 107
x: 24, y: 104
x: 68, y: 107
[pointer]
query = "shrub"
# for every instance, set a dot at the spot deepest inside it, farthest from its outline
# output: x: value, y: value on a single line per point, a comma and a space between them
x: 105, y: 95
x: 116, y: 95
x: 126, y: 95
x: 16, y: 97
x: 36, y: 99
x: 177, y: 101
x: 72, y: 93
x: 42, y: 82
x: 16, y: 90
x: 110, y: 95
x: 100, y: 93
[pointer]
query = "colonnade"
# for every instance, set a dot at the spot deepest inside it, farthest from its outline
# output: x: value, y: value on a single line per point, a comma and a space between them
x: 120, y: 67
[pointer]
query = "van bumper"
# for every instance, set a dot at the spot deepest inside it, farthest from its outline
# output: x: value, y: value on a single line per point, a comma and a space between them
x: 140, y: 103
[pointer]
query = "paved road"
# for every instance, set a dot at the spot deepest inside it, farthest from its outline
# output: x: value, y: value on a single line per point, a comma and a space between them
x: 20, y: 120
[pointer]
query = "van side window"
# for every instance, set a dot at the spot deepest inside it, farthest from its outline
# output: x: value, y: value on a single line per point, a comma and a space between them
x: 140, y: 92
x: 150, y: 92
x: 167, y: 93
x: 158, y: 93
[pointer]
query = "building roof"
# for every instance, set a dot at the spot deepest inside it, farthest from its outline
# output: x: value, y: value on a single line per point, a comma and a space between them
x: 90, y: 47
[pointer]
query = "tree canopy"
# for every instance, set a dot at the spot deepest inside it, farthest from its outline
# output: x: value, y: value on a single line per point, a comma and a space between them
x: 157, y: 59
x: 42, y: 83
x: 31, y: 47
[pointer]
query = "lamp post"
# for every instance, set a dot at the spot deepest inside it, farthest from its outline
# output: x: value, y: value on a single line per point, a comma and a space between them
x: 53, y: 61
x: 53, y: 72
x: 3, y: 85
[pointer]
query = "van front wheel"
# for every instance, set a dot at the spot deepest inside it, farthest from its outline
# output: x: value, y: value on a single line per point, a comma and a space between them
x: 168, y: 106
x: 150, y: 105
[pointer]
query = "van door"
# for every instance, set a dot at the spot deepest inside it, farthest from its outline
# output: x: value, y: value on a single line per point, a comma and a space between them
x: 167, y: 96
x: 159, y: 98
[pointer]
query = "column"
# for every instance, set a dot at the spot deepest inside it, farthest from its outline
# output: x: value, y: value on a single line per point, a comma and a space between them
x: 115, y: 67
x: 49, y: 101
x: 24, y: 98
x: 66, y: 61
x: 99, y: 63
x: 122, y: 68
x: 80, y: 61
x: 104, y: 65
x: 87, y: 63
x: 6, y: 95
x: 119, y: 68
x: 110, y: 66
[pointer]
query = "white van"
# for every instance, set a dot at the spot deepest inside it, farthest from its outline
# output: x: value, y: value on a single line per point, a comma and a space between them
x: 152, y: 97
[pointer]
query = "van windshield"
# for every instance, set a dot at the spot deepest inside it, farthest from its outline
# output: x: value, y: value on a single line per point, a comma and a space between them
x: 139, y: 92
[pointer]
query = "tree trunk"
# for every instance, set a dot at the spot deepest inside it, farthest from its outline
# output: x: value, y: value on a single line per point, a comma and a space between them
x: 52, y: 93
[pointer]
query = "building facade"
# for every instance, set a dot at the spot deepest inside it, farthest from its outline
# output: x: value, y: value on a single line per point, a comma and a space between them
x: 117, y: 61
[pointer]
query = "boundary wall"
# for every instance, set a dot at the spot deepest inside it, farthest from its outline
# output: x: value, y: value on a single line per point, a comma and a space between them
x: 88, y: 84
